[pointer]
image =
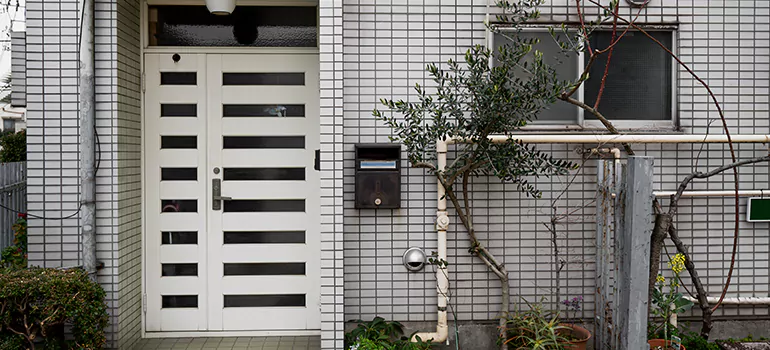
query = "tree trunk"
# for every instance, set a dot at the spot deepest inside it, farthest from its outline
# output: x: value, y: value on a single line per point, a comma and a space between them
x: 658, y: 235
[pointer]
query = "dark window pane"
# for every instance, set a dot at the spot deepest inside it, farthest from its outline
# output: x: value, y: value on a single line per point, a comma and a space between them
x: 178, y: 142
x: 179, y: 205
x: 264, y: 237
x: 186, y: 237
x: 179, y: 174
x: 177, y: 301
x: 256, y: 174
x: 263, y: 78
x: 270, y: 26
x: 264, y: 269
x: 178, y: 78
x: 564, y: 63
x: 264, y: 300
x: 265, y: 205
x: 263, y: 110
x: 638, y: 85
x: 178, y: 110
x: 180, y: 269
x: 263, y: 142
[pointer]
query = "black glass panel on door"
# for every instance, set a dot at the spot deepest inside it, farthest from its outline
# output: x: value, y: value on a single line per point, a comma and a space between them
x: 264, y: 237
x: 265, y: 26
x: 176, y: 142
x: 263, y: 142
x: 178, y: 78
x: 178, y: 110
x: 281, y: 111
x: 180, y: 269
x: 264, y: 300
x: 180, y: 301
x: 183, y: 237
x: 265, y: 205
x: 263, y: 78
x: 179, y: 174
x: 179, y: 206
x: 264, y: 174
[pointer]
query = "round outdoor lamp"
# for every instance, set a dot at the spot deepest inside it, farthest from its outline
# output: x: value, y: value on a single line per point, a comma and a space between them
x: 220, y: 7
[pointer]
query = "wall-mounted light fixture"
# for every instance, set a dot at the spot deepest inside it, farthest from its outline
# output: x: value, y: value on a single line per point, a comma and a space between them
x: 414, y: 259
x: 220, y: 7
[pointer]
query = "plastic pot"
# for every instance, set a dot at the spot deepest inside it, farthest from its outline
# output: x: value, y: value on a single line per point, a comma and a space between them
x: 663, y: 344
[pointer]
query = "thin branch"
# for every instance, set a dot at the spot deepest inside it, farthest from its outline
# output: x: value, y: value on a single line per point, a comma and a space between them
x: 736, y: 181
x: 609, y: 58
x: 607, y: 124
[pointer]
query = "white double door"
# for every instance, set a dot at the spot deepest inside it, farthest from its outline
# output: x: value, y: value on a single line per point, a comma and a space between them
x: 231, y: 192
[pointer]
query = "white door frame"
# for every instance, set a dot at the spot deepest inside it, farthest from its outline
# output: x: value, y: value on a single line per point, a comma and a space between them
x: 144, y: 49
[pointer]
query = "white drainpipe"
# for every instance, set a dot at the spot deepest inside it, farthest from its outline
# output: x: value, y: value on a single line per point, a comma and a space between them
x: 442, y: 219
x: 735, y: 300
x: 442, y: 274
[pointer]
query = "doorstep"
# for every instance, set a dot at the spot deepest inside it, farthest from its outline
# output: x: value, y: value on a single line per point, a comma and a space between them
x: 232, y: 343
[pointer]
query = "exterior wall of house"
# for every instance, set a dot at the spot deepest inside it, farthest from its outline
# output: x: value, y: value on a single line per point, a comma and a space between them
x: 386, y: 47
x: 379, y: 49
x: 53, y: 146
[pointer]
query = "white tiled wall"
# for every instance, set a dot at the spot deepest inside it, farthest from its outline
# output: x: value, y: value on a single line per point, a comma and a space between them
x: 386, y: 47
x: 53, y: 146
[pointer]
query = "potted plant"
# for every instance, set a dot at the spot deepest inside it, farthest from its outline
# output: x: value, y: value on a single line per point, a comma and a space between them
x: 535, y: 328
x: 668, y: 303
x: 576, y: 336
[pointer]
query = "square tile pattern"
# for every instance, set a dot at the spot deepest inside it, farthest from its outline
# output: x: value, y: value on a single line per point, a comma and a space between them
x: 232, y: 343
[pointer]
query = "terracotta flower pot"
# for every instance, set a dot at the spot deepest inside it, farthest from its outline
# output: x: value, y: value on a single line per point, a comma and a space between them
x: 654, y: 343
x: 572, y: 331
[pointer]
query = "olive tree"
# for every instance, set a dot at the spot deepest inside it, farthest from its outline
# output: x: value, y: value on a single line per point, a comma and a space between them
x: 468, y: 101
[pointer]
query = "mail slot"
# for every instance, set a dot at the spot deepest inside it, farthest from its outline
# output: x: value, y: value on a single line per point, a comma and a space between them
x: 378, y: 176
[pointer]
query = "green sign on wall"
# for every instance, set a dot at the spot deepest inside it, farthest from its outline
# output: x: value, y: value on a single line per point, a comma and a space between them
x: 758, y: 210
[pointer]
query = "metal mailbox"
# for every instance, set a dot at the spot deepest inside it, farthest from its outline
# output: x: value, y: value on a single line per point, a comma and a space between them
x: 378, y: 176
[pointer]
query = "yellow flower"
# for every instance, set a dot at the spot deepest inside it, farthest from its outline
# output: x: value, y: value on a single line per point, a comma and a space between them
x: 677, y: 263
x: 661, y: 279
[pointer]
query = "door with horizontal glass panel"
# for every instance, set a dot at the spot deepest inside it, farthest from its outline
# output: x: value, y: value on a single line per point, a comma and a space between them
x: 232, y: 195
x: 264, y: 243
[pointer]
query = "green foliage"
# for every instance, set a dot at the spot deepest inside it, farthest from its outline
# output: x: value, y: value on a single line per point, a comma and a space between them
x: 36, y: 303
x: 535, y: 328
x: 693, y: 341
x: 13, y: 147
x: 667, y: 303
x: 748, y: 338
x: 15, y: 256
x: 475, y: 100
x: 379, y: 334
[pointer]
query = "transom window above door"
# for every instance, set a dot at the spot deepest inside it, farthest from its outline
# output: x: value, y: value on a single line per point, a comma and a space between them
x: 247, y: 26
x: 640, y: 88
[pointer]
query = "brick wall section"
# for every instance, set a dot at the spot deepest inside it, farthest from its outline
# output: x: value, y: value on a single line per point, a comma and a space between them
x: 18, y: 69
x: 386, y: 47
x: 331, y: 75
x: 129, y: 174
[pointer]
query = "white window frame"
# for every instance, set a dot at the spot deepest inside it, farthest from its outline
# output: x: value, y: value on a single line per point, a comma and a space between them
x: 595, y: 125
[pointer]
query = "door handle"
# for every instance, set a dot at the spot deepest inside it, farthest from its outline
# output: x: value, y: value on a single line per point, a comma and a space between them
x: 216, y: 195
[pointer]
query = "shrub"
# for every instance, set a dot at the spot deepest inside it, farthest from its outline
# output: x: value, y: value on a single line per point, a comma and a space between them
x: 379, y: 334
x: 15, y: 256
x: 13, y: 147
x: 37, y: 303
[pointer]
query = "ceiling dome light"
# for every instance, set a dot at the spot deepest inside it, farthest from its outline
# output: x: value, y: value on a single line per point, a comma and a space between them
x: 220, y: 7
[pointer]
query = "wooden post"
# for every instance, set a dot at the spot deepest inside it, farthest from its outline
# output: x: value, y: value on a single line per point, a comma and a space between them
x: 605, y: 177
x: 633, y: 242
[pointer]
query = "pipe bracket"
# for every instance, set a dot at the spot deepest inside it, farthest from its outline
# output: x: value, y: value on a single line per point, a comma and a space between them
x: 442, y: 220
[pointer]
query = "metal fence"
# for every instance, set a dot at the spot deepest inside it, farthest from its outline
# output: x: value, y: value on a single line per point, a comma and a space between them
x: 13, y: 198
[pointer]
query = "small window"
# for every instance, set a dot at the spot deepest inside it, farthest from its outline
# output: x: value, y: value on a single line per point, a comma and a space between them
x: 639, y: 91
x: 566, y: 66
x: 639, y: 82
x: 9, y: 125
